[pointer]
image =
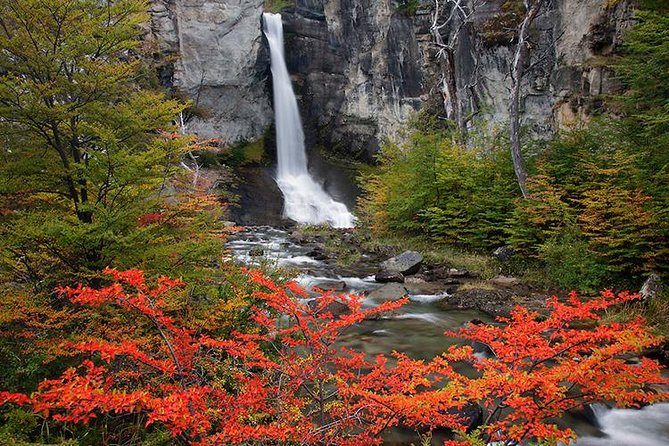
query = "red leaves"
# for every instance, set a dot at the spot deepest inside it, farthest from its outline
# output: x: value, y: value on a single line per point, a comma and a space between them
x: 544, y: 366
x: 288, y: 381
x: 150, y: 218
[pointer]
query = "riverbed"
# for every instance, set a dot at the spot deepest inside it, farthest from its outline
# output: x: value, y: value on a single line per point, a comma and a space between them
x: 417, y: 330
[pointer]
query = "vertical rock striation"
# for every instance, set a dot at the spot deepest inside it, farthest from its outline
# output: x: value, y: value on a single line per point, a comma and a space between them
x: 358, y: 70
x: 361, y: 68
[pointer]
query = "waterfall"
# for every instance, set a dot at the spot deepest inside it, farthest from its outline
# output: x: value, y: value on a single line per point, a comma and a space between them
x: 629, y: 427
x: 305, y: 201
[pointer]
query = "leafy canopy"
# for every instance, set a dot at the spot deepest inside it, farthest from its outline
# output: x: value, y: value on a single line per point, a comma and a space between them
x: 289, y: 381
x: 87, y: 148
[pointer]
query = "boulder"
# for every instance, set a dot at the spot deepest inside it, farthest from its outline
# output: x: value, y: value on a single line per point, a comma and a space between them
x: 387, y: 277
x: 256, y: 252
x: 338, y: 285
x: 298, y: 237
x: 425, y: 287
x: 407, y: 263
x: 318, y: 253
x: 389, y: 291
x: 651, y: 287
x: 504, y: 281
x: 336, y: 308
x: 503, y: 253
x: 419, y: 278
x: 453, y: 274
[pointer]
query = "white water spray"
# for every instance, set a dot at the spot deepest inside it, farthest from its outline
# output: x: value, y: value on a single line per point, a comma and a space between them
x: 628, y: 427
x: 305, y: 201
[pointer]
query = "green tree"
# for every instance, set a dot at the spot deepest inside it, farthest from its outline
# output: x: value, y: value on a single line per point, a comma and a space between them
x: 86, y: 149
x: 644, y: 68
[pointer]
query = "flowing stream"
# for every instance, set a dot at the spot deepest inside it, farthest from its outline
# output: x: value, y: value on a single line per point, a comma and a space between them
x: 305, y: 201
x: 417, y: 330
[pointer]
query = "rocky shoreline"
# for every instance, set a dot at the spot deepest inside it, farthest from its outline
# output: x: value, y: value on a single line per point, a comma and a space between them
x: 405, y: 271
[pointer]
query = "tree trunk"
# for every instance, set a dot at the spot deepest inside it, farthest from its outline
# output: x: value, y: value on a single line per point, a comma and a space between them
x: 517, y: 69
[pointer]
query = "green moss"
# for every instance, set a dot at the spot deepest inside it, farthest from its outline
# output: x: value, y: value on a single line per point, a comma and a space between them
x: 244, y: 153
x: 502, y: 28
x: 276, y: 6
x: 408, y: 7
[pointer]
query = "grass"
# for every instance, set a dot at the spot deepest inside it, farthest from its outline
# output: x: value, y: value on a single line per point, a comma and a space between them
x: 433, y: 252
x: 654, y: 310
x: 436, y: 253
x: 254, y: 151
x: 478, y: 285
x: 277, y: 5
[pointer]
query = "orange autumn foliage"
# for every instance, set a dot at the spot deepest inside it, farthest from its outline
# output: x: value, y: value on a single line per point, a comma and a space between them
x: 291, y: 381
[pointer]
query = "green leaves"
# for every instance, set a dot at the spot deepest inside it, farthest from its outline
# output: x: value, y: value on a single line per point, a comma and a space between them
x: 86, y: 149
x: 431, y: 184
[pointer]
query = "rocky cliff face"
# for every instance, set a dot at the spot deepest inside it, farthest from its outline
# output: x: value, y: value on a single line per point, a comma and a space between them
x: 358, y: 70
x: 362, y: 68
x: 219, y: 61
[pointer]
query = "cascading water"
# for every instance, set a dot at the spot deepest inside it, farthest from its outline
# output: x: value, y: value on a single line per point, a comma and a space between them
x: 305, y: 201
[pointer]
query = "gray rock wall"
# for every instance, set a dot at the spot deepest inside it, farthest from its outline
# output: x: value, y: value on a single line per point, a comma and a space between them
x: 221, y: 63
x: 362, y: 68
x: 358, y: 70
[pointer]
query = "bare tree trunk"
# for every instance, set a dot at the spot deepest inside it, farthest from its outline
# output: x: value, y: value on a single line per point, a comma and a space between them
x: 517, y: 71
x: 456, y: 18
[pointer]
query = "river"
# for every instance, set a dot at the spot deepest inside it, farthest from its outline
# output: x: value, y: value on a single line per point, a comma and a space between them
x: 417, y: 330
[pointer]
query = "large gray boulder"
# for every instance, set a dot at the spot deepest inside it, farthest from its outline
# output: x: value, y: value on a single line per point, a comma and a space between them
x: 333, y: 285
x: 407, y: 263
x: 651, y: 287
x: 389, y: 291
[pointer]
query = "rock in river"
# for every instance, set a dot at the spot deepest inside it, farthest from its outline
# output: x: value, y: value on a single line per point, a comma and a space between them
x: 389, y: 291
x: 388, y: 276
x: 257, y: 252
x: 334, y: 285
x: 407, y: 263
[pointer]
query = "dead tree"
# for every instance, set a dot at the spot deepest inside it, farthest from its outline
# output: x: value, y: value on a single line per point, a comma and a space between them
x: 448, y: 19
x: 532, y: 9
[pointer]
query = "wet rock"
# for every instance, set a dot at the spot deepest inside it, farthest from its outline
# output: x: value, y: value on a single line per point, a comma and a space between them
x: 338, y: 285
x: 416, y: 279
x: 298, y: 237
x: 336, y: 308
x: 256, y: 252
x: 407, y: 263
x: 318, y: 253
x: 651, y: 287
x: 489, y: 300
x: 496, y: 301
x: 424, y: 287
x: 503, y: 253
x: 387, y: 277
x: 229, y: 224
x: 659, y: 353
x: 389, y: 291
x: 471, y: 415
